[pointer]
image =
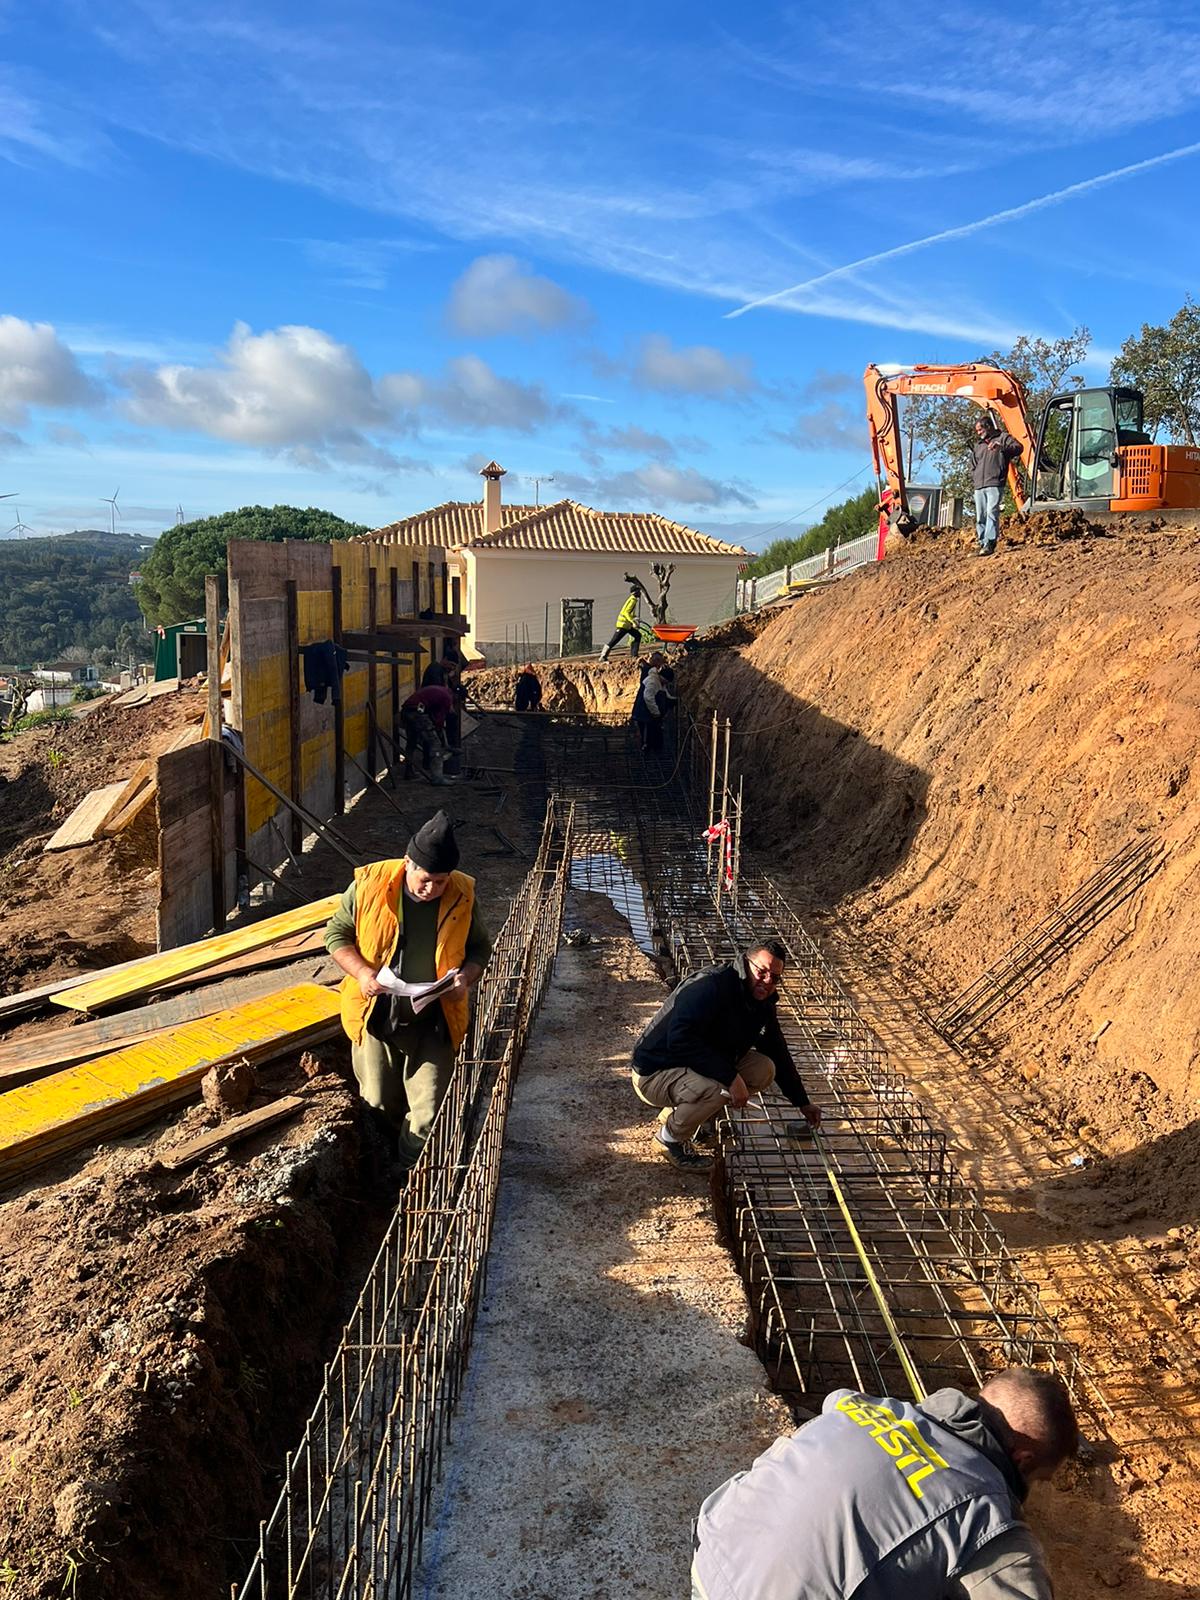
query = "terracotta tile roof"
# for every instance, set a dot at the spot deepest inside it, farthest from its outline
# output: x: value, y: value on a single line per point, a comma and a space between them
x: 565, y: 526
x: 456, y: 522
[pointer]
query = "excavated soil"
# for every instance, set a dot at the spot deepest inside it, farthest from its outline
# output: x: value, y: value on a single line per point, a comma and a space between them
x: 161, y: 1335
x: 939, y: 751
x: 95, y: 905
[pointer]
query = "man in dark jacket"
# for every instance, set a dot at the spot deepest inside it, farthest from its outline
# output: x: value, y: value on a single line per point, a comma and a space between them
x: 884, y: 1500
x: 528, y: 695
x: 715, y: 1041
x: 990, y: 456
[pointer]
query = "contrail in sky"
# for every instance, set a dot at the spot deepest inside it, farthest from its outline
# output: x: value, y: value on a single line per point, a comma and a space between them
x: 969, y: 228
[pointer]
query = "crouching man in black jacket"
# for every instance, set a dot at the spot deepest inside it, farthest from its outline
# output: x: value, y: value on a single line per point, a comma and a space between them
x: 714, y: 1042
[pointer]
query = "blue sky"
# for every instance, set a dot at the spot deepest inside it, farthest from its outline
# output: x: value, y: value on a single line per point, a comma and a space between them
x: 341, y: 256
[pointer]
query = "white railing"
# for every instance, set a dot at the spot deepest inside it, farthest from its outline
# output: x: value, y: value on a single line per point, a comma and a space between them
x: 832, y: 563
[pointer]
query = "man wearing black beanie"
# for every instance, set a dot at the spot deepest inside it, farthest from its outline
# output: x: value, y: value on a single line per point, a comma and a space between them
x: 416, y: 915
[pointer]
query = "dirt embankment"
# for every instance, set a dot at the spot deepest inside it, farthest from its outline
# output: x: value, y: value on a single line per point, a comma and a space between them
x: 87, y: 907
x: 944, y: 748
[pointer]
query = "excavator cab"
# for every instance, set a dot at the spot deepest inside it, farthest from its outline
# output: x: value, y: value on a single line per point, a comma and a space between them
x: 1078, y: 449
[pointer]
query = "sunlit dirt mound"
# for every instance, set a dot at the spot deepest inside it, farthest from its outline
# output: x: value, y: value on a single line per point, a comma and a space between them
x: 944, y: 748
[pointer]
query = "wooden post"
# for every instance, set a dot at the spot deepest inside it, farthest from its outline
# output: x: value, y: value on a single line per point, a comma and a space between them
x: 234, y: 654
x: 372, y: 676
x: 295, y: 783
x: 394, y: 599
x: 216, y: 784
x: 339, y: 706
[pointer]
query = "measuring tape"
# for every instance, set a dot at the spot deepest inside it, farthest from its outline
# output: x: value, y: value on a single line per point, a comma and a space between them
x: 889, y: 1322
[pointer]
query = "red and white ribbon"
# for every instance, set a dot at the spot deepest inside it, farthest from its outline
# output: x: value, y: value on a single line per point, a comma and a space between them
x: 722, y: 830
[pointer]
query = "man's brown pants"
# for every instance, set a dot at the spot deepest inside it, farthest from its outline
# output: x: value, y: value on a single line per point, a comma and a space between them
x: 693, y: 1099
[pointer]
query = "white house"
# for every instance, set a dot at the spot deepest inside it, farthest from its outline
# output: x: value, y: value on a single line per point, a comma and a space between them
x: 547, y: 580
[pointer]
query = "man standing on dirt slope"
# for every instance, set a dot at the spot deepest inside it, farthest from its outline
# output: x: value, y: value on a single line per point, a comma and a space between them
x: 883, y: 1500
x: 990, y: 456
x: 626, y: 624
x: 713, y: 1042
x: 418, y: 916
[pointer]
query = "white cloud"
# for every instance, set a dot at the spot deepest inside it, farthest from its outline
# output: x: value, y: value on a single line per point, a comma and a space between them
x: 293, y: 386
x: 831, y: 426
x: 498, y: 294
x: 37, y: 369
x: 699, y: 369
x: 825, y: 385
x: 69, y: 438
x: 657, y: 485
x: 470, y: 394
x: 28, y: 131
x: 360, y: 263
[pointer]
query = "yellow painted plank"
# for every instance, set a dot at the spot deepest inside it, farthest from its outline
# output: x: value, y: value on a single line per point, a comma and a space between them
x: 168, y: 965
x: 69, y: 1107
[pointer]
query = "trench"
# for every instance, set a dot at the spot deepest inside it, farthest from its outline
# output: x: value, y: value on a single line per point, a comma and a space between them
x: 864, y: 1257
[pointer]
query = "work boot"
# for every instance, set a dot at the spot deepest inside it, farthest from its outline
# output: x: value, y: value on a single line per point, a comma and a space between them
x: 604, y: 654
x: 681, y: 1155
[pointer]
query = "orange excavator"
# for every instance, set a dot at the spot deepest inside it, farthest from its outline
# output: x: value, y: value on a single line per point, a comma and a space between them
x: 1091, y: 449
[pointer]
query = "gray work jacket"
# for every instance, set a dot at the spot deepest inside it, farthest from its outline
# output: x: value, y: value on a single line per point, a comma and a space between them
x: 875, y: 1499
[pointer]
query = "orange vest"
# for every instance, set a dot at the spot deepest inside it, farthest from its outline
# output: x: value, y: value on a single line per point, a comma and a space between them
x: 378, y: 921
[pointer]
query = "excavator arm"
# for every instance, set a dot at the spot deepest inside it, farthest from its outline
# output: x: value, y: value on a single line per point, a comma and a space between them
x: 991, y: 387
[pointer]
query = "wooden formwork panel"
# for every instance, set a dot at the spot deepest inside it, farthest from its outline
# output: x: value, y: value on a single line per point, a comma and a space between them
x: 378, y: 585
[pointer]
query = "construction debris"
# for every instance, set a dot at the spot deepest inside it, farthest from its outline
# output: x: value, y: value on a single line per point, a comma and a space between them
x: 107, y: 1097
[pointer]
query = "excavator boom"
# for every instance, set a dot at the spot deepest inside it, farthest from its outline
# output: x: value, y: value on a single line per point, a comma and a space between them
x: 990, y: 387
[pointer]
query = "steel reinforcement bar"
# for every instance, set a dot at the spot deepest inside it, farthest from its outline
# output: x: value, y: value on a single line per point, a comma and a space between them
x: 351, y: 1514
x: 956, y: 1304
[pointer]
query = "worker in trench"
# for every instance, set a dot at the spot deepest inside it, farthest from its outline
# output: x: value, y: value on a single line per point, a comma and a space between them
x: 899, y: 1502
x: 418, y: 917
x: 423, y: 717
x: 714, y: 1042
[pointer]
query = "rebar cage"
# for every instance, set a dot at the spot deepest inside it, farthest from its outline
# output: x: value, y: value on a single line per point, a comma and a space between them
x: 349, y: 1518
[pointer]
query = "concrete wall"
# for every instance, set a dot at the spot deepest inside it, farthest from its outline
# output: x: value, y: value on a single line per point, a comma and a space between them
x: 508, y: 593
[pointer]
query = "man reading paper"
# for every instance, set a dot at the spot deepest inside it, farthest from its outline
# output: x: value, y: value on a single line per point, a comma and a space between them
x: 416, y: 918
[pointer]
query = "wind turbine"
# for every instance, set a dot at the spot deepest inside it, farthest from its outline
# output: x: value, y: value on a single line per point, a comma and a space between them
x: 179, y: 518
x: 114, y: 510
x: 19, y: 528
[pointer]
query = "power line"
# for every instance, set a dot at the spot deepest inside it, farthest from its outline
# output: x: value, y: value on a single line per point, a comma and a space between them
x: 814, y: 505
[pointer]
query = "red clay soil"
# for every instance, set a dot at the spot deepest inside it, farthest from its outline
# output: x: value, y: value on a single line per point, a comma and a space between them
x: 938, y: 751
x: 95, y: 905
x: 162, y: 1338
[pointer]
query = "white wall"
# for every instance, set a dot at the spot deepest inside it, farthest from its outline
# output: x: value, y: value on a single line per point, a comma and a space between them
x: 507, y: 592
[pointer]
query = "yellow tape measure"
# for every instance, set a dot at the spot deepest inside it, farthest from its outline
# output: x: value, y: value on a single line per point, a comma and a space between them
x: 894, y: 1334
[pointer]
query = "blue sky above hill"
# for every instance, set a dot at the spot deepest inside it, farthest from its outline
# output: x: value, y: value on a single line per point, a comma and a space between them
x: 342, y: 256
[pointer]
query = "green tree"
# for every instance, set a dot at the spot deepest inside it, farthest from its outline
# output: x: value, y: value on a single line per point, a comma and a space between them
x: 850, y: 519
x: 1044, y: 368
x: 67, y: 596
x: 1164, y: 363
x: 172, y: 583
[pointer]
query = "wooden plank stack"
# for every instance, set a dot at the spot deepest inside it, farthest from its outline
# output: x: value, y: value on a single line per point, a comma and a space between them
x: 74, y: 1086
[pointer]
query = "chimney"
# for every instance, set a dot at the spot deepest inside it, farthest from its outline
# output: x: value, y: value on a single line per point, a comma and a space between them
x: 491, y: 475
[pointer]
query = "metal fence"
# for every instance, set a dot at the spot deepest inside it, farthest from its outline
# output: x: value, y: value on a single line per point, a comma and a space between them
x: 832, y: 563
x: 349, y: 1520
